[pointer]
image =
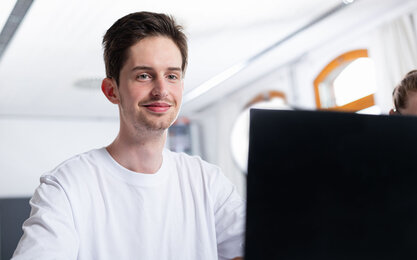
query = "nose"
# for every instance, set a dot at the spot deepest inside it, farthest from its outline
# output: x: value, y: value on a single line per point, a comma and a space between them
x: 160, y: 89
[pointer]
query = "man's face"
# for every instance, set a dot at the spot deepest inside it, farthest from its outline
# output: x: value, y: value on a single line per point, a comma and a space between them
x: 151, y: 85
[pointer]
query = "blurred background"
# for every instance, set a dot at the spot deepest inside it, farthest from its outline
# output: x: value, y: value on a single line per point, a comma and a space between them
x: 299, y: 54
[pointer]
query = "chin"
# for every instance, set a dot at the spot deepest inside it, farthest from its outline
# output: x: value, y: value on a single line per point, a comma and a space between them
x: 158, y: 126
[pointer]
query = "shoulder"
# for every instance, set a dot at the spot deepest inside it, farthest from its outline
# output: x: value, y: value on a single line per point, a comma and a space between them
x: 198, y: 170
x: 75, y: 166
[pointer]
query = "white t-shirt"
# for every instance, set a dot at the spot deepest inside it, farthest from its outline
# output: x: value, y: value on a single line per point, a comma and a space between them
x: 90, y: 207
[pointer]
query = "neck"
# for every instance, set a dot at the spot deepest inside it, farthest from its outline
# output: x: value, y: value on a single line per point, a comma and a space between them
x: 139, y: 154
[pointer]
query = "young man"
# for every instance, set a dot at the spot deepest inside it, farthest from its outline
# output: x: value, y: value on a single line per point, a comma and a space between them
x: 134, y: 199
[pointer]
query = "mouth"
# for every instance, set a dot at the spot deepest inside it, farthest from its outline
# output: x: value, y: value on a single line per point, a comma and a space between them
x: 158, y: 107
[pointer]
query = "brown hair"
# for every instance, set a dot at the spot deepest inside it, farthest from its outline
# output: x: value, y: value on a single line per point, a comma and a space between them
x: 400, y: 93
x: 134, y: 27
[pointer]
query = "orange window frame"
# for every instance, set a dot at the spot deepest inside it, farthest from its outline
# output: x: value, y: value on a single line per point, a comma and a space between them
x: 353, y: 106
x: 265, y: 96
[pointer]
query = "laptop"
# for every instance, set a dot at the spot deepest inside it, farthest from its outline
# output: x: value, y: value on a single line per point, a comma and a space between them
x: 331, y: 185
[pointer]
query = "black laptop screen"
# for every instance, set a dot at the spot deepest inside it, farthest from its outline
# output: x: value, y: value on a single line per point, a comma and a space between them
x: 330, y: 185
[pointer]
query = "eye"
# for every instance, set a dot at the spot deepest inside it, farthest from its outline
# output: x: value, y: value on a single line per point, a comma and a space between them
x: 143, y: 76
x: 172, y: 77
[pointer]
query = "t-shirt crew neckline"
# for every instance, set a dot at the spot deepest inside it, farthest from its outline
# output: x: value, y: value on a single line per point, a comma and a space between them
x: 136, y: 178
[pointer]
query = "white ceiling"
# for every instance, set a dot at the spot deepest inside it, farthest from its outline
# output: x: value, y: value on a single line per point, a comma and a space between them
x: 59, y: 43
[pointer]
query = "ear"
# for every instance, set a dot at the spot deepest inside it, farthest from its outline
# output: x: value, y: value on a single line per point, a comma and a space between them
x: 392, y: 112
x: 110, y: 90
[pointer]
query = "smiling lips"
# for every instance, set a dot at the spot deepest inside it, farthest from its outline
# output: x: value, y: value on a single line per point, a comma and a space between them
x: 158, y: 107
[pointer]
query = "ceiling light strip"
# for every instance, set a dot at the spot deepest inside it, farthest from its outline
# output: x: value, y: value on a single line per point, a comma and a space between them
x: 216, y: 80
x: 10, y: 27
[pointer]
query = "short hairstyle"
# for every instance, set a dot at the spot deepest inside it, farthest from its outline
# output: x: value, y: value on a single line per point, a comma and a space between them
x: 400, y: 93
x: 134, y: 27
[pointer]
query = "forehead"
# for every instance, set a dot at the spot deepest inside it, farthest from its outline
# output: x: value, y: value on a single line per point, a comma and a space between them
x: 411, y: 104
x: 412, y: 97
x: 154, y: 51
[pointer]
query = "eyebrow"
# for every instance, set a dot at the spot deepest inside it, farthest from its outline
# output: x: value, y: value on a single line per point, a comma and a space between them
x: 150, y: 68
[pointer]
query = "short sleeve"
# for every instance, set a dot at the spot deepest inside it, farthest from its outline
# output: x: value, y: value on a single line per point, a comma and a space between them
x: 230, y: 215
x: 49, y: 232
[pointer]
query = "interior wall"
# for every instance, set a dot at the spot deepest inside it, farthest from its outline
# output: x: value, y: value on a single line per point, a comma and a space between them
x: 31, y: 147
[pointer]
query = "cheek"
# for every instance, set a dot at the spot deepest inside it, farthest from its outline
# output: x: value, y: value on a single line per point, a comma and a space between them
x: 138, y: 93
x: 179, y: 91
x: 178, y: 95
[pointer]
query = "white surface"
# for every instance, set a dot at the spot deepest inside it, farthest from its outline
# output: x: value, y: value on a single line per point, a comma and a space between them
x: 29, y: 148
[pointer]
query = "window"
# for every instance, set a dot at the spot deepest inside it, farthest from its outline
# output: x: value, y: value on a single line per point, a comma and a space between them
x: 348, y: 83
x: 239, y: 141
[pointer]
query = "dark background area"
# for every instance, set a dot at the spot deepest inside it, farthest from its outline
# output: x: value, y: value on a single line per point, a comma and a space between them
x: 13, y: 212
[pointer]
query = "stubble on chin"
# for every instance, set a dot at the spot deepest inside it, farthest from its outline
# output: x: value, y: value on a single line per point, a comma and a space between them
x: 144, y: 123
